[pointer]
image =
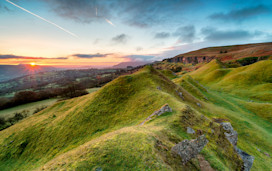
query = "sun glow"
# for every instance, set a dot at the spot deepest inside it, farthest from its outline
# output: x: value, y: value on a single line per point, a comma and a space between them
x: 33, y: 64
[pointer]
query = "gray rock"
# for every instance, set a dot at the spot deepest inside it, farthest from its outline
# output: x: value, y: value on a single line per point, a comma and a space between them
x: 180, y: 94
x: 267, y: 154
x: 232, y: 136
x: 189, y: 149
x: 162, y: 110
x: 190, y: 130
x: 98, y: 169
x: 198, y: 104
x: 247, y: 159
x: 230, y: 133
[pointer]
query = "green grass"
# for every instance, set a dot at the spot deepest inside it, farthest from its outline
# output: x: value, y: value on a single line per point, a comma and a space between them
x: 254, y: 131
x: 29, y: 106
x: 91, y: 90
x: 130, y: 150
x: 101, y: 130
x: 168, y: 73
x: 252, y: 81
x: 123, y: 102
x: 251, y: 119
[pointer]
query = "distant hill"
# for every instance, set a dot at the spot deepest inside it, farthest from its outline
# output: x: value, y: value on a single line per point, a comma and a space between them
x: 224, y: 53
x: 56, y: 79
x: 8, y: 72
x: 133, y: 64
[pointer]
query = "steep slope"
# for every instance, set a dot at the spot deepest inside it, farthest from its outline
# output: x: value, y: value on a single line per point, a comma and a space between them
x: 252, y: 84
x: 226, y: 93
x: 253, y: 81
x: 102, y: 131
x: 125, y: 101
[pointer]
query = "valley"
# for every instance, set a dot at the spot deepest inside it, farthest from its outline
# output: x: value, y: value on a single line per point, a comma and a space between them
x: 101, y: 130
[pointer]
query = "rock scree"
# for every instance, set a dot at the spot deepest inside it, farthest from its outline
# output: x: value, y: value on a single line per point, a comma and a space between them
x: 162, y: 110
x: 190, y: 130
x: 189, y: 149
x: 232, y: 136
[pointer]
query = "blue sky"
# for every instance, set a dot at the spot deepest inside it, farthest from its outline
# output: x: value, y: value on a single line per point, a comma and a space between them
x: 141, y: 30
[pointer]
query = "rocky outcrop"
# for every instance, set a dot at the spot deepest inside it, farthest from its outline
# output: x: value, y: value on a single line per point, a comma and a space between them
x: 190, y: 60
x: 247, y: 159
x: 232, y: 136
x: 189, y: 149
x: 162, y: 110
x: 230, y: 133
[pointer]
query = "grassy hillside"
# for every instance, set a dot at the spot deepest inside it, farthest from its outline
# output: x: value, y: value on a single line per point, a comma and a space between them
x: 101, y: 130
x: 125, y: 101
x: 232, y: 52
x: 226, y: 94
x: 252, y: 81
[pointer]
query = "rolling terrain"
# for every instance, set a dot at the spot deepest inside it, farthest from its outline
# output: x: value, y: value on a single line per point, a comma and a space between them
x: 232, y: 56
x: 8, y: 72
x: 53, y: 79
x: 103, y: 131
x: 224, y: 53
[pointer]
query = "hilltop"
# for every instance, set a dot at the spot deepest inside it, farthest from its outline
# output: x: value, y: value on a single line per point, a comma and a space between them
x: 224, y: 53
x: 103, y: 131
x: 130, y: 64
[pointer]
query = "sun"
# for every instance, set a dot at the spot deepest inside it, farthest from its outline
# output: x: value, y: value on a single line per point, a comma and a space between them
x: 33, y: 64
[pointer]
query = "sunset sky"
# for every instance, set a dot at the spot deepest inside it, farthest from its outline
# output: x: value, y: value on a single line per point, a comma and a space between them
x: 107, y: 32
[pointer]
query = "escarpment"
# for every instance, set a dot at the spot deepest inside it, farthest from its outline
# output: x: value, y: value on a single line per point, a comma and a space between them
x: 191, y: 60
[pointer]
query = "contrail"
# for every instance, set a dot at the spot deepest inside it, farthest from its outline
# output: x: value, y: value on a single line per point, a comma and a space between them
x: 96, y: 11
x: 108, y: 21
x: 43, y: 19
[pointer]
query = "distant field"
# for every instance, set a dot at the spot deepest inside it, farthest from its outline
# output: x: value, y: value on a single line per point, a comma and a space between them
x: 91, y: 90
x: 30, y: 106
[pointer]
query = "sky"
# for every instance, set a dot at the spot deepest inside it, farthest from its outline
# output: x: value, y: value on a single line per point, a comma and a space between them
x: 101, y: 33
